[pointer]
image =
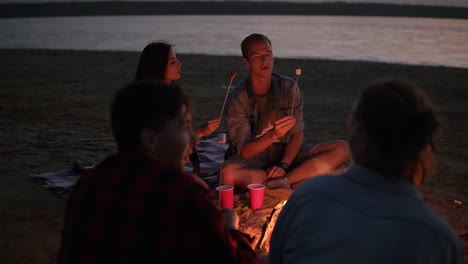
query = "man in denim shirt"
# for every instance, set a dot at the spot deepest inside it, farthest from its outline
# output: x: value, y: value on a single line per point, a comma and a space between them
x: 374, y: 212
x: 266, y: 133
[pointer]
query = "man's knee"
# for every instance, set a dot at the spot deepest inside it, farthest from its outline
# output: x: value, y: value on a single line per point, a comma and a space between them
x: 343, y: 147
x: 335, y: 150
x: 228, y: 172
x: 340, y: 146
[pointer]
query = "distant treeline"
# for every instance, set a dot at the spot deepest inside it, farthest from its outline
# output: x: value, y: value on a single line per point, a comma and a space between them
x: 227, y: 8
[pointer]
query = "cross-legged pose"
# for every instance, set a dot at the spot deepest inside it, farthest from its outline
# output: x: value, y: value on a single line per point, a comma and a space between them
x: 265, y: 137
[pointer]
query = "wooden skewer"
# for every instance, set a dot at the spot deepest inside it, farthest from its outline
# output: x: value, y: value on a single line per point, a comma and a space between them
x: 233, y: 75
x: 298, y: 72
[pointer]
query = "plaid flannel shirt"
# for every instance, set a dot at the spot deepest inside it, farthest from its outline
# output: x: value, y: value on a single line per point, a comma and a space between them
x: 131, y: 209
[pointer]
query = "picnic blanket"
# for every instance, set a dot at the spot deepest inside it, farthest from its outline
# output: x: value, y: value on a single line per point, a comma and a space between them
x: 211, y: 155
x: 61, y: 182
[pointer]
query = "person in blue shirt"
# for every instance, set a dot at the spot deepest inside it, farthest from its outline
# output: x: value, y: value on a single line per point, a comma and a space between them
x: 374, y: 212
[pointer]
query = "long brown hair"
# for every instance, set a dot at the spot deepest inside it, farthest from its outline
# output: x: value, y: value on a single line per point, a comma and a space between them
x: 153, y: 61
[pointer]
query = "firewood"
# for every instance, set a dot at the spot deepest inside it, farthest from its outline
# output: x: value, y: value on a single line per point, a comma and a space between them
x: 264, y: 245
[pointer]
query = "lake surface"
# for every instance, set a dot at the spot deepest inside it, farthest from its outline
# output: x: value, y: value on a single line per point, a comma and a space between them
x: 387, y: 39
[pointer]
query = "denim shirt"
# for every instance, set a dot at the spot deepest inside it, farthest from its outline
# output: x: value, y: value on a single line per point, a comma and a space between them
x: 240, y: 107
x: 362, y: 216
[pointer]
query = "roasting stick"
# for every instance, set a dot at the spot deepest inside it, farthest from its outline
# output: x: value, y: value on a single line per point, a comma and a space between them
x: 233, y: 75
x: 298, y: 72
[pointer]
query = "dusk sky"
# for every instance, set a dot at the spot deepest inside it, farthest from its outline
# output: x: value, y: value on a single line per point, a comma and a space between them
x: 460, y: 3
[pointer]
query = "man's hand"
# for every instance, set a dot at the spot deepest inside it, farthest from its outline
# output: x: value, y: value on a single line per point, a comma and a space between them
x: 208, y: 128
x: 275, y: 172
x: 199, y: 180
x: 283, y: 125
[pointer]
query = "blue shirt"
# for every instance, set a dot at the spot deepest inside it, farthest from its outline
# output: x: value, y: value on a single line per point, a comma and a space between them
x: 361, y: 217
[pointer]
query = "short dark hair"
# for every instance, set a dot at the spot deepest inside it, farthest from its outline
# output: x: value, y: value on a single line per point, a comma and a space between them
x: 153, y: 61
x: 391, y: 123
x: 144, y: 104
x: 250, y: 39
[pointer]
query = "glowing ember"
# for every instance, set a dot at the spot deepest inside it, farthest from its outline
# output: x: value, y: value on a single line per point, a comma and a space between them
x: 264, y: 244
x: 280, y: 205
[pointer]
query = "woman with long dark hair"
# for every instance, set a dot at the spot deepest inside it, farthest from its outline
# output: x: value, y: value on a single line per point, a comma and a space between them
x: 158, y: 61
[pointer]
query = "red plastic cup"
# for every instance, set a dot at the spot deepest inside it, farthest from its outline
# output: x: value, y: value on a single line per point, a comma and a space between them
x: 226, y: 196
x: 256, y: 192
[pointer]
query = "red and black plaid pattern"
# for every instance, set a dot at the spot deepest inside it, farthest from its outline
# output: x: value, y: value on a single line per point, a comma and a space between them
x: 131, y: 209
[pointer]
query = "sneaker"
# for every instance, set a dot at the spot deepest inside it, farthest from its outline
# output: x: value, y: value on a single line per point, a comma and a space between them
x: 278, y: 183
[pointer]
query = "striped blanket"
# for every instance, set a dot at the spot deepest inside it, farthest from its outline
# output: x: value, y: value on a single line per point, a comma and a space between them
x: 211, y: 155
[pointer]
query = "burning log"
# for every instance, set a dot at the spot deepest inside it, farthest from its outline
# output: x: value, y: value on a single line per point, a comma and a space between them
x: 263, y: 246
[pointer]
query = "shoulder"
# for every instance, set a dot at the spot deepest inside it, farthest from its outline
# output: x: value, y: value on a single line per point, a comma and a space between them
x: 195, y: 185
x: 438, y: 226
x: 429, y: 230
x: 239, y: 92
x: 106, y: 166
x: 306, y: 205
x: 284, y: 84
x: 315, y: 189
x: 239, y: 89
x: 406, y: 211
x: 282, y: 79
x: 320, y: 184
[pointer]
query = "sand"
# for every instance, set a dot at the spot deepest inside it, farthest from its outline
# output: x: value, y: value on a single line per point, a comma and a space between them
x: 54, y: 108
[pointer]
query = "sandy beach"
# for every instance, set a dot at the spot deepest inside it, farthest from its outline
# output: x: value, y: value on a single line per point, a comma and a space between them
x: 54, y: 108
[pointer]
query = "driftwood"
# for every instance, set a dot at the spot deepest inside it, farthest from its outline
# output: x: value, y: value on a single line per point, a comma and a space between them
x: 263, y: 246
x: 260, y: 223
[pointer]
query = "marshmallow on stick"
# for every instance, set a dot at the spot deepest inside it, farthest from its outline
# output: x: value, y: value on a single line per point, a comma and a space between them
x: 298, y: 72
x: 233, y: 75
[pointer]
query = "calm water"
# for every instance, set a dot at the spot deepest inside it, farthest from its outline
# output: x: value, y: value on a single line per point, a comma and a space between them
x: 402, y: 40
